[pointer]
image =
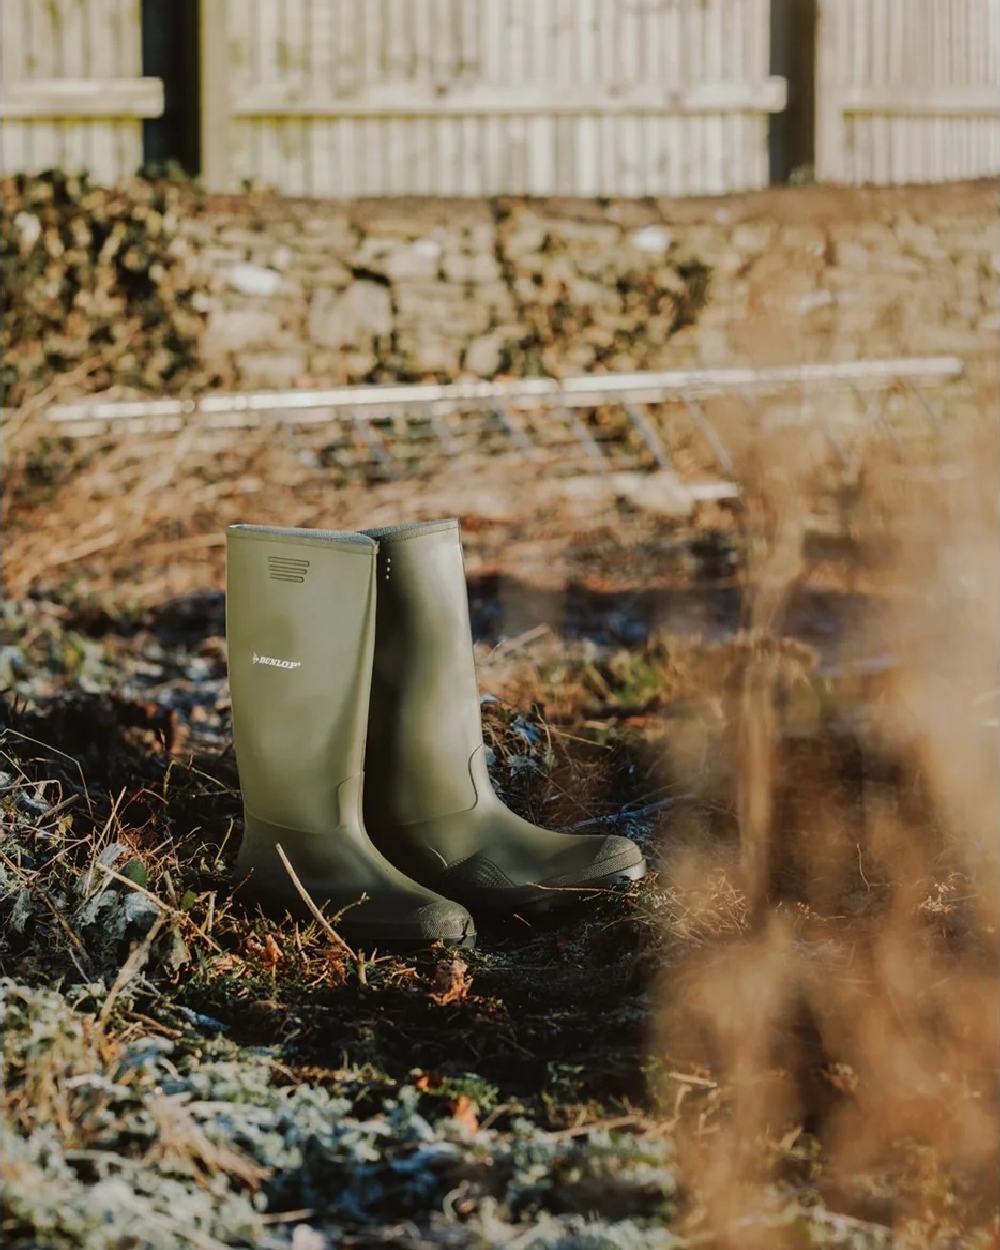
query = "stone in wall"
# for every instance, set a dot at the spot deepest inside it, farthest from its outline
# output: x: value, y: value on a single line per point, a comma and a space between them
x: 236, y: 329
x: 399, y: 260
x: 484, y: 355
x: 471, y: 268
x: 276, y: 369
x: 354, y: 318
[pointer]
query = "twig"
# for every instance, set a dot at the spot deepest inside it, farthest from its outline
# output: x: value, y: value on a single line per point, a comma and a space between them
x: 562, y: 733
x: 687, y: 1078
x: 165, y: 907
x: 762, y: 1220
x: 43, y: 894
x: 66, y: 384
x: 192, y: 1235
x: 625, y: 813
x: 287, y: 1217
x: 321, y: 920
x: 506, y: 645
x: 642, y: 1123
x: 47, y: 746
x: 134, y: 964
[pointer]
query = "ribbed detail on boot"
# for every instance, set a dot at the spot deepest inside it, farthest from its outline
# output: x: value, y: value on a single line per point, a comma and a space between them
x: 477, y: 871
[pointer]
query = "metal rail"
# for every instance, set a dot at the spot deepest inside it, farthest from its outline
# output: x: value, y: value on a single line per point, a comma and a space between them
x: 244, y: 409
x: 596, y: 423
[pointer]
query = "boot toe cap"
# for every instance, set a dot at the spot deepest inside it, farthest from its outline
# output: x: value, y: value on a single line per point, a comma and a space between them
x: 446, y: 921
x: 600, y: 861
x: 410, y: 921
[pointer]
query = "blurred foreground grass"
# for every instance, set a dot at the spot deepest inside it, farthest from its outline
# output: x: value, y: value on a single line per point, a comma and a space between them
x: 786, y: 1036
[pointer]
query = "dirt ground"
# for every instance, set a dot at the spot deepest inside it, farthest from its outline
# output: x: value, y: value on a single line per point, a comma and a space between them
x: 786, y: 1036
x: 664, y: 1068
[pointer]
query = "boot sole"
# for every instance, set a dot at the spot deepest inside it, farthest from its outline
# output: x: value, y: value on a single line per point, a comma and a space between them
x: 367, y: 939
x: 409, y: 946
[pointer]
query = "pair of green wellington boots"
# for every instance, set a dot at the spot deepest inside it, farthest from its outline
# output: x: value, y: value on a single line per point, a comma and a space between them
x: 359, y: 744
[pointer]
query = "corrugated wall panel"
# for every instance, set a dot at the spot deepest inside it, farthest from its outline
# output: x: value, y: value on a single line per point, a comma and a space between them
x: 908, y: 90
x: 478, y: 97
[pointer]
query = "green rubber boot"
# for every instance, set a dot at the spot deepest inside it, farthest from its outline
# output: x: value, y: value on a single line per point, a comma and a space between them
x: 429, y: 803
x: 300, y: 627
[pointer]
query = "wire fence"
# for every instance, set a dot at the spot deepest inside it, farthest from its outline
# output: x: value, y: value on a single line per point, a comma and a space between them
x: 687, y: 421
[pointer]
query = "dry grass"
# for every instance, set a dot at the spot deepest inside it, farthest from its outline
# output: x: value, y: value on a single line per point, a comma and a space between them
x: 809, y: 1012
x: 848, y: 997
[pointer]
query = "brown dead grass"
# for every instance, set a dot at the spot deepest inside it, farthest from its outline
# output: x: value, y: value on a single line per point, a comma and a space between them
x: 849, y: 990
x: 828, y: 905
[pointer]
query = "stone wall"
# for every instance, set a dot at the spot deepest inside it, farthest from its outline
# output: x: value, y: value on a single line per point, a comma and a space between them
x: 301, y: 293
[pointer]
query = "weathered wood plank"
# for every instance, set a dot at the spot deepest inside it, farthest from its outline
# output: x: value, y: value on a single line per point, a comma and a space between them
x: 219, y: 67
x: 83, y: 97
x: 913, y: 101
x: 392, y: 100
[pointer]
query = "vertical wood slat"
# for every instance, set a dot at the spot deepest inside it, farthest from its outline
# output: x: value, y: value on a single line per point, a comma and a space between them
x: 129, y: 136
x: 45, y: 38
x: 587, y: 135
x: 14, y: 140
x: 322, y: 145
x: 75, y: 156
x: 292, y: 57
x: 101, y: 55
x: 221, y: 70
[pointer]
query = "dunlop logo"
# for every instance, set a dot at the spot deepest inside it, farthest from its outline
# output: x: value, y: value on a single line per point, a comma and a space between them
x: 269, y: 661
x: 287, y: 569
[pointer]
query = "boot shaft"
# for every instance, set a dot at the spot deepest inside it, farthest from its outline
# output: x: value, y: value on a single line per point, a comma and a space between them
x: 300, y: 627
x: 424, y: 727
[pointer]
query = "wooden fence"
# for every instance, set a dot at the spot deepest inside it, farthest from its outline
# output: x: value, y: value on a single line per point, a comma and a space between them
x: 478, y: 97
x: 907, y: 90
x: 72, y: 93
